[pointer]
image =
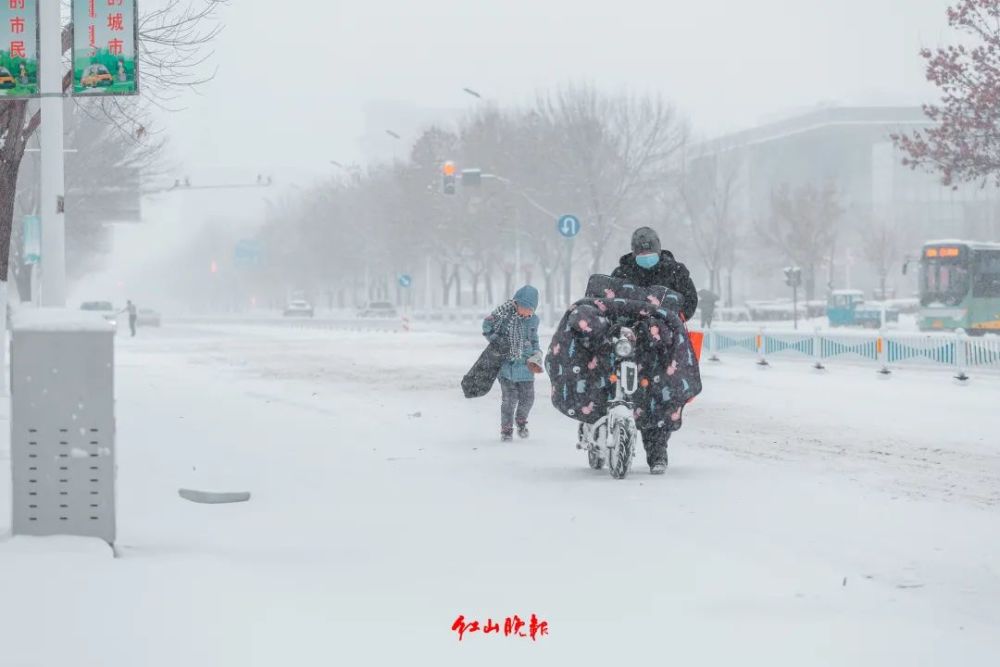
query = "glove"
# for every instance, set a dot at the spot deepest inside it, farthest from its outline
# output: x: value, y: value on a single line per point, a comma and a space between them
x: 535, y: 362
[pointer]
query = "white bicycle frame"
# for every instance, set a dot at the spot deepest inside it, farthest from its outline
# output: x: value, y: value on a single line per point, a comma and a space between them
x: 627, y: 385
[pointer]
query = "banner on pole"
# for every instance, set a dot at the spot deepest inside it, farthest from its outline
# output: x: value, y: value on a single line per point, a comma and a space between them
x: 31, y: 234
x: 105, y: 34
x: 19, y: 48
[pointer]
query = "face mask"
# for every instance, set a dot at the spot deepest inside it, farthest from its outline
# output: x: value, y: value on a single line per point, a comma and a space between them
x: 647, y: 261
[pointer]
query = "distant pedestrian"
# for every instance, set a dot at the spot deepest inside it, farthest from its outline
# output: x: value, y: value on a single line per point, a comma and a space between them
x: 707, y: 298
x: 516, y: 324
x: 133, y: 315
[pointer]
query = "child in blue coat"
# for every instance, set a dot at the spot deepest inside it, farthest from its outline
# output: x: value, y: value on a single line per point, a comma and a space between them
x: 515, y: 322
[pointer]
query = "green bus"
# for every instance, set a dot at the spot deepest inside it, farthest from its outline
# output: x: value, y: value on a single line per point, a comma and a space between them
x: 960, y: 287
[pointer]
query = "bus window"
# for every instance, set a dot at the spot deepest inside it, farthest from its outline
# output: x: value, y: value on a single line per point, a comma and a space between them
x: 944, y: 282
x: 987, y: 277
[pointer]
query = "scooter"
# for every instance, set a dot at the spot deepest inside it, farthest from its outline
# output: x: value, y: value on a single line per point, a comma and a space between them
x: 612, y: 439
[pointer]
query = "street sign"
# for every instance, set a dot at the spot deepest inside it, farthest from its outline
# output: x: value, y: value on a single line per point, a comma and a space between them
x: 405, y: 280
x: 104, y: 47
x: 569, y: 226
x: 19, y: 51
x: 472, y: 178
x: 247, y: 251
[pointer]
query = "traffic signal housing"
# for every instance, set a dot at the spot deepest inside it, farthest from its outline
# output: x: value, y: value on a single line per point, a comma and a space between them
x: 793, y: 276
x: 448, y: 178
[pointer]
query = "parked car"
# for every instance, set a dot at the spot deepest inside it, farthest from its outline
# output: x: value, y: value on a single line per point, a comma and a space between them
x: 106, y: 308
x: 147, y: 317
x: 378, y: 309
x: 299, y: 308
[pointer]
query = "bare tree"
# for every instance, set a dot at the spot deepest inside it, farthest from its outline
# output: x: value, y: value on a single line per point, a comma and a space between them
x: 547, y: 163
x: 881, y: 247
x: 804, y: 224
x: 609, y: 153
x: 103, y: 168
x: 709, y: 192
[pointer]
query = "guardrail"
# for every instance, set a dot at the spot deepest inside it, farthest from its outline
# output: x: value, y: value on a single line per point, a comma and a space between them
x: 886, y: 350
x: 371, y: 325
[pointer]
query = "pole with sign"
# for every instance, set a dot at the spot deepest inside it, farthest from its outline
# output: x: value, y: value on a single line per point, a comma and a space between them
x: 569, y: 227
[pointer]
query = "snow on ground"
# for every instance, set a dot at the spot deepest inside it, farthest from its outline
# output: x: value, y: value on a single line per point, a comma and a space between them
x: 817, y: 519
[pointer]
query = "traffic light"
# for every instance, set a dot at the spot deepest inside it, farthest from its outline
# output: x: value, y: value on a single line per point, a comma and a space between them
x: 448, y: 178
x: 793, y: 276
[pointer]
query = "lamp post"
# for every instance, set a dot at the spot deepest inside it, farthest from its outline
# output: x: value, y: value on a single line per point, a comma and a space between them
x: 53, y: 179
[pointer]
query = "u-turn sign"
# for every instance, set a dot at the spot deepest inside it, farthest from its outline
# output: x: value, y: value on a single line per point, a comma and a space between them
x: 569, y: 226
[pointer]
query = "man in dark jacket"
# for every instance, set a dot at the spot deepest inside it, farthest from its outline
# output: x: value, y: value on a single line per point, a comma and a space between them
x: 647, y: 265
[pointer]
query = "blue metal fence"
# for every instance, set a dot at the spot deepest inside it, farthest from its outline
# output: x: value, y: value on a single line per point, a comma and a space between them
x: 955, y: 350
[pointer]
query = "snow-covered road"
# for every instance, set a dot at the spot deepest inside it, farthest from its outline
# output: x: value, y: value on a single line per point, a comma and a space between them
x: 805, y: 520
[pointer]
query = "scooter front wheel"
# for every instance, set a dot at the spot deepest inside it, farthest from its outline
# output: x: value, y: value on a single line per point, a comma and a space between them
x: 621, y: 443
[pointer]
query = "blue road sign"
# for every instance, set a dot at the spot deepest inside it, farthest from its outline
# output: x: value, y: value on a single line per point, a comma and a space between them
x: 569, y: 226
x: 405, y: 280
x: 247, y: 252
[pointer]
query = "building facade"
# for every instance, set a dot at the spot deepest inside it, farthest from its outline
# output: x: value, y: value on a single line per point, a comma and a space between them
x: 850, y: 149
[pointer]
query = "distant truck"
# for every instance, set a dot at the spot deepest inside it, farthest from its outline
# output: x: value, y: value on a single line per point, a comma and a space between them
x: 847, y: 308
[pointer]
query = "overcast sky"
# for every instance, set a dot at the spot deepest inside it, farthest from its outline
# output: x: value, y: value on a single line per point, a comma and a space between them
x: 293, y: 77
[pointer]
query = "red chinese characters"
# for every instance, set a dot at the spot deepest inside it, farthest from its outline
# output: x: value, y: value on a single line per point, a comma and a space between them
x: 92, y: 8
x: 116, y: 47
x: 16, y: 4
x: 116, y: 22
x: 513, y: 626
x: 92, y: 35
x: 17, y: 25
x: 17, y: 49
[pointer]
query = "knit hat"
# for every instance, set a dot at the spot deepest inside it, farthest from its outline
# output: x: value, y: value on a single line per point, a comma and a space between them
x: 526, y: 297
x: 645, y: 240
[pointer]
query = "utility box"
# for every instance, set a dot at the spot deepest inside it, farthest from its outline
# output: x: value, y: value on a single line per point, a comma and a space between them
x: 62, y: 422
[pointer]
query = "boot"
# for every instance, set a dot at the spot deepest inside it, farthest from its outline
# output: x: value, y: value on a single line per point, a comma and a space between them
x: 659, y: 466
x: 522, y: 430
x: 506, y: 434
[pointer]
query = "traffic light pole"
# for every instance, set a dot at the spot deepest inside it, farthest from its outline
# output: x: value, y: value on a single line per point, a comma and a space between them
x: 795, y: 307
x: 793, y: 278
